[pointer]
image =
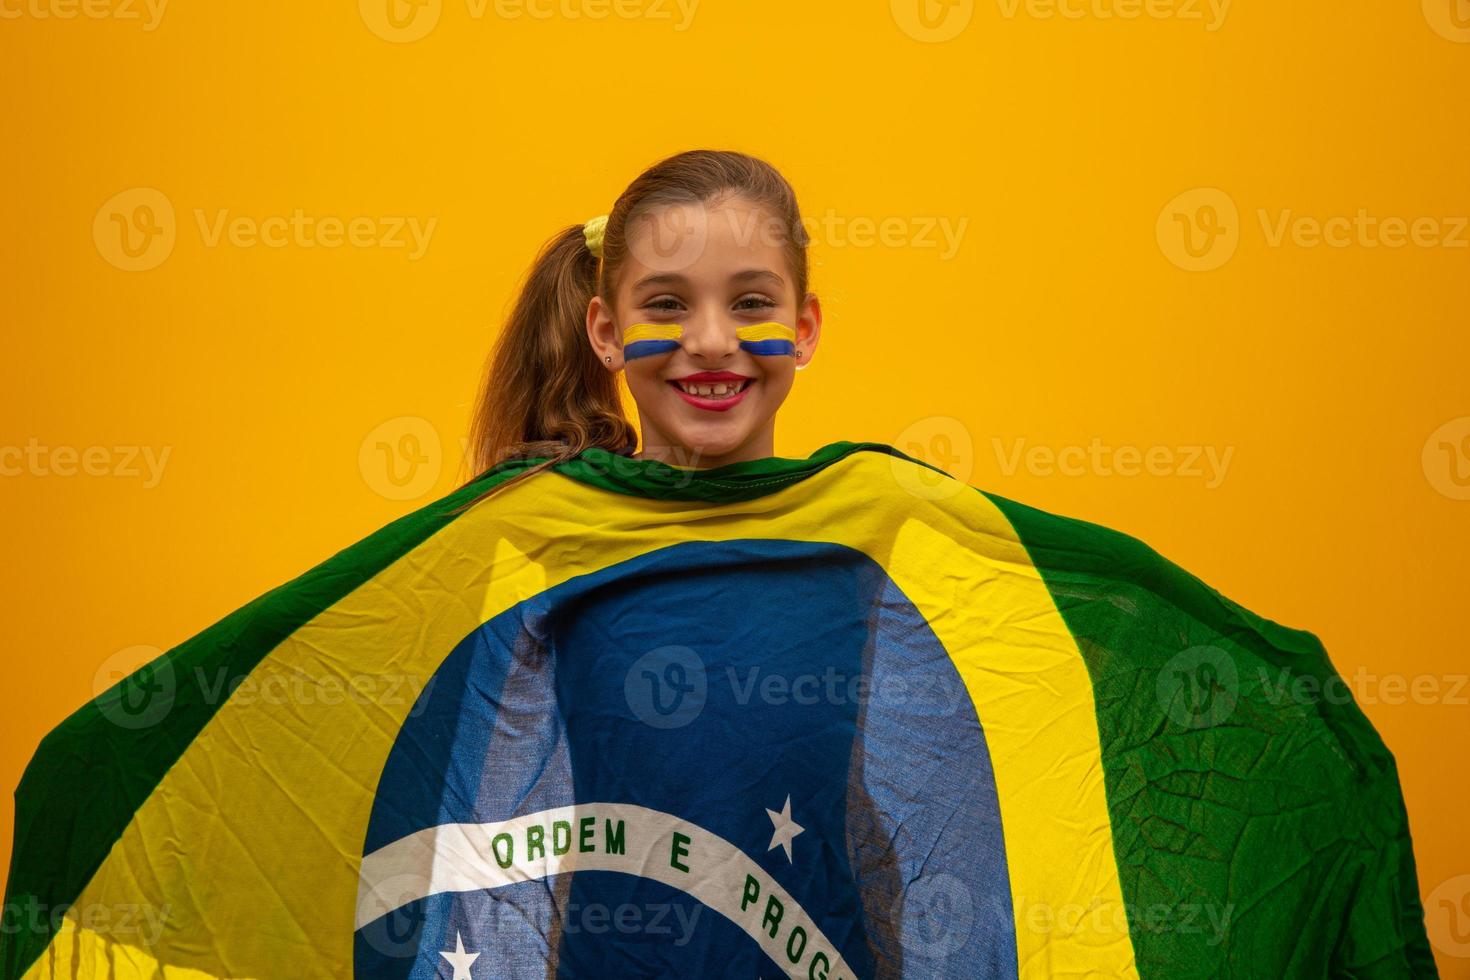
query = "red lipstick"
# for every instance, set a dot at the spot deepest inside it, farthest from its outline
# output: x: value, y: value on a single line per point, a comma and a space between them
x: 714, y: 376
x: 713, y: 403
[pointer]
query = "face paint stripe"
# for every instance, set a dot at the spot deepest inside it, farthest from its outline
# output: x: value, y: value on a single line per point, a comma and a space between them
x: 763, y: 339
x: 766, y: 331
x: 645, y: 348
x: 652, y: 331
x: 768, y: 348
x: 768, y: 339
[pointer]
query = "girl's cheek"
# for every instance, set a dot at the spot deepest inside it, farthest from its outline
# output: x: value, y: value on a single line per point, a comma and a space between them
x: 644, y: 340
x: 767, y: 339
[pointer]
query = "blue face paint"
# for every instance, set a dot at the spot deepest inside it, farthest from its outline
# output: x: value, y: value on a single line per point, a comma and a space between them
x: 768, y: 339
x: 645, y: 339
x: 763, y: 339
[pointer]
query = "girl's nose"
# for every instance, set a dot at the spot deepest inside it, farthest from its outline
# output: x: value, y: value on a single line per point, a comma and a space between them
x: 709, y: 337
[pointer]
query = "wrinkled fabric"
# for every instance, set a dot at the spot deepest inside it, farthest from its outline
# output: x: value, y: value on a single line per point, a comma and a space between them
x: 832, y: 717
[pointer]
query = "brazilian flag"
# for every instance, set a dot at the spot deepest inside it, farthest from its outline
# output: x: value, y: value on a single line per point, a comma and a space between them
x: 834, y: 717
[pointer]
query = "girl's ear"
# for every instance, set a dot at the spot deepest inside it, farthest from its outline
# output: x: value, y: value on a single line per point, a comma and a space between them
x: 602, y: 330
x: 808, y: 328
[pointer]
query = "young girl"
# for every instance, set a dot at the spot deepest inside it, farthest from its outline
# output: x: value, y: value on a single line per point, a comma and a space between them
x: 698, y: 253
x: 701, y: 710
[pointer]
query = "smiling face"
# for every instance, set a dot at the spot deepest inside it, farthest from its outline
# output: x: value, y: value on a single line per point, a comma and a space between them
x: 706, y: 331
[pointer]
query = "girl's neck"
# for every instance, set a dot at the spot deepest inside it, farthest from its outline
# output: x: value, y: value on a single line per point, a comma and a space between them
x: 762, y: 446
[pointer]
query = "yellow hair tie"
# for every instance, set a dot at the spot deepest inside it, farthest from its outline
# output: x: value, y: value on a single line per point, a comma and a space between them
x: 593, y: 231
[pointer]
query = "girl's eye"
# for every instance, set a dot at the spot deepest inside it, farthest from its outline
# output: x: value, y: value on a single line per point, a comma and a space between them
x: 667, y: 303
x: 755, y: 303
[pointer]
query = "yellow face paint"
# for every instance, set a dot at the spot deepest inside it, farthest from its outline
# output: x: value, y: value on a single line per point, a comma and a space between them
x: 768, y: 339
x: 765, y: 339
x: 644, y: 339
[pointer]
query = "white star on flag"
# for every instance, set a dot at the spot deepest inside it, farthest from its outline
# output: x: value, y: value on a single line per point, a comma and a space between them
x: 785, y: 828
x: 460, y: 960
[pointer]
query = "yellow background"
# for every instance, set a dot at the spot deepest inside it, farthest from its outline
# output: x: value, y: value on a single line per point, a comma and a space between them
x: 1066, y: 153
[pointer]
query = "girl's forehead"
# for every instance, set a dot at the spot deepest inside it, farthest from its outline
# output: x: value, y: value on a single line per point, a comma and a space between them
x: 735, y: 217
x: 705, y: 241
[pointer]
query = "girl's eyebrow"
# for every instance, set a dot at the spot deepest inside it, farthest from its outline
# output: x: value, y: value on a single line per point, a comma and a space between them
x: 750, y: 274
x: 673, y: 278
x: 658, y: 278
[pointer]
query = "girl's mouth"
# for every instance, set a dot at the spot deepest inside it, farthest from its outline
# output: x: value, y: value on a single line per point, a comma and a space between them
x: 713, y: 395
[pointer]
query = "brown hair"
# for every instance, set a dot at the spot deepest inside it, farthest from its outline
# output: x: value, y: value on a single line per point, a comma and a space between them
x: 545, y: 392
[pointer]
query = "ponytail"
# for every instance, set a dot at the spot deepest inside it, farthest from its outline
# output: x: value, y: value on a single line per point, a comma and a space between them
x: 545, y: 392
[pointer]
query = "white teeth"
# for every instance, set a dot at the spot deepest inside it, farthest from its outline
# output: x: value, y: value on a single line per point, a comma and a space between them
x: 721, y: 389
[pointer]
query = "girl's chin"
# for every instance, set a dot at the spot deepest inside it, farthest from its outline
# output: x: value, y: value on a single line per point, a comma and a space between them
x: 710, y: 440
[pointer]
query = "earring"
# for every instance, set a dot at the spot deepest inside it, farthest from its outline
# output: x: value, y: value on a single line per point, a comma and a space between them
x: 798, y: 353
x: 608, y: 358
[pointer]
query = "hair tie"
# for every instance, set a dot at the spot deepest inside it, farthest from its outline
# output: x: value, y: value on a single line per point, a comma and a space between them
x: 593, y: 232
